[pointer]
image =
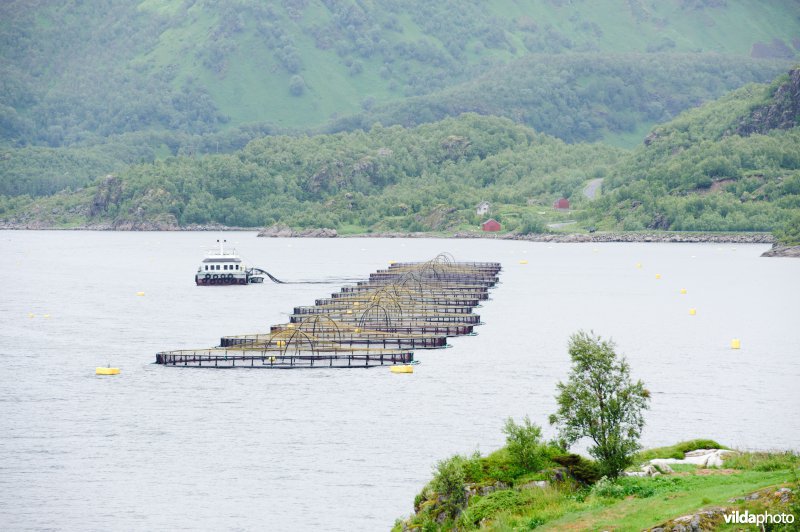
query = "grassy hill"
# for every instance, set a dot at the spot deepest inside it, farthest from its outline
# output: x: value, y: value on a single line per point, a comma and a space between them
x: 565, y: 494
x: 165, y: 95
x: 73, y: 71
x: 388, y: 179
x: 732, y: 164
x: 615, y: 98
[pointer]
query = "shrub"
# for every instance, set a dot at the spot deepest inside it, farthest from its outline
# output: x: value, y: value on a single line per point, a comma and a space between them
x: 490, y: 505
x: 500, y: 465
x: 678, y: 450
x: 524, y: 444
x: 606, y: 487
x: 692, y: 445
x: 789, y: 233
x: 583, y: 470
x: 763, y: 461
x: 473, y: 467
x: 531, y: 224
x: 297, y: 85
x: 626, y: 487
x: 448, y: 481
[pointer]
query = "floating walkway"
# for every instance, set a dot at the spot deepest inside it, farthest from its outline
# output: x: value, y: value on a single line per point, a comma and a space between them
x: 377, y: 322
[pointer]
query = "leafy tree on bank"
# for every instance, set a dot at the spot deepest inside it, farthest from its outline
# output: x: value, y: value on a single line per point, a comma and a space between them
x: 789, y: 234
x: 600, y: 401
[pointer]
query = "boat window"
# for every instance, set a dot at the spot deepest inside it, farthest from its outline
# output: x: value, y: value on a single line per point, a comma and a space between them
x: 218, y: 266
x: 237, y: 266
x: 225, y: 267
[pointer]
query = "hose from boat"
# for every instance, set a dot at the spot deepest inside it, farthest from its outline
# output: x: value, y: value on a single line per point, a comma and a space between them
x: 274, y: 279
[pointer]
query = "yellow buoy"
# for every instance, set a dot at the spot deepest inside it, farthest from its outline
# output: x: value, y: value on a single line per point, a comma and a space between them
x: 31, y: 315
x: 47, y: 316
x: 639, y: 265
x: 658, y: 276
x: 683, y: 290
x: 403, y: 369
x: 692, y: 312
x: 736, y: 344
x: 139, y: 293
x: 523, y: 261
x: 106, y: 371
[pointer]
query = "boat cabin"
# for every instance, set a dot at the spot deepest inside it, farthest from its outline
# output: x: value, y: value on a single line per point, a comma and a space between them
x: 226, y: 264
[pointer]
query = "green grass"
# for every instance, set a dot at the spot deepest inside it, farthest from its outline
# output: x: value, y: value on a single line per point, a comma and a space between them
x: 676, y: 451
x: 628, y: 503
x: 351, y: 229
x: 685, y: 495
x: 628, y: 139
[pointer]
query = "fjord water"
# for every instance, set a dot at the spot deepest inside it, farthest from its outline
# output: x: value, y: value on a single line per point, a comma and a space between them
x: 171, y: 448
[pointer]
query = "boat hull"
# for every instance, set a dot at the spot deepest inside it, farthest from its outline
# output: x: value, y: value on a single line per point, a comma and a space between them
x: 219, y: 280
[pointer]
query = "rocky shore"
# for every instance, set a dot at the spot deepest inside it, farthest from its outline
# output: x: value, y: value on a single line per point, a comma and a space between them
x: 727, y: 238
x: 782, y: 251
x: 121, y: 226
x: 284, y: 231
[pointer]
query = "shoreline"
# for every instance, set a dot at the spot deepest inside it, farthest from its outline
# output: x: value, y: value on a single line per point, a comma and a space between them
x: 567, y: 238
x: 556, y: 238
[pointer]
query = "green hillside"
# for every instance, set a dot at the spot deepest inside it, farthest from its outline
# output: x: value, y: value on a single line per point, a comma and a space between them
x: 582, y: 96
x: 248, y: 113
x: 732, y: 164
x: 388, y: 179
x: 73, y: 71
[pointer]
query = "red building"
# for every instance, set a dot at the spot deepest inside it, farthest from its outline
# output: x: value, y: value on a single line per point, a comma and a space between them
x: 491, y: 225
x: 562, y: 203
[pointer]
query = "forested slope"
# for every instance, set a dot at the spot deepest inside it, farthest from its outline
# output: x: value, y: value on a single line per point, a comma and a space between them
x: 582, y: 97
x: 424, y: 178
x: 732, y: 164
x: 73, y: 71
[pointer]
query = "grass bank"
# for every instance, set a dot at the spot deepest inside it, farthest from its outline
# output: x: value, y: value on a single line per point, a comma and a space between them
x: 565, y: 494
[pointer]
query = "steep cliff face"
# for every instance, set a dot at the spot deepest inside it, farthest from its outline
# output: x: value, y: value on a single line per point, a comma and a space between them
x: 782, y: 112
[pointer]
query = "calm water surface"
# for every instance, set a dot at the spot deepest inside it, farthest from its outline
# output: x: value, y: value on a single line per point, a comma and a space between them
x: 168, y: 448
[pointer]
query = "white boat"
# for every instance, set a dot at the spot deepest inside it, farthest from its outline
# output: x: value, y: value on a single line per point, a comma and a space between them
x: 224, y: 267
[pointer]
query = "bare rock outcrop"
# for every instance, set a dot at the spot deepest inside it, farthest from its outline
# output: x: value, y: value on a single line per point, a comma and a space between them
x: 284, y: 231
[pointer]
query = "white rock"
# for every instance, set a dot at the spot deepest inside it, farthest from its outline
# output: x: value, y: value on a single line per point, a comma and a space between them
x: 699, y: 457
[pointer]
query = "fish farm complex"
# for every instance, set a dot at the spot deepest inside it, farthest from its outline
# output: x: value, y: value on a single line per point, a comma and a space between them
x: 376, y: 322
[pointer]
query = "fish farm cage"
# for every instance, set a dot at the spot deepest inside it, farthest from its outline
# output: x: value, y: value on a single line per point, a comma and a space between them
x: 376, y: 322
